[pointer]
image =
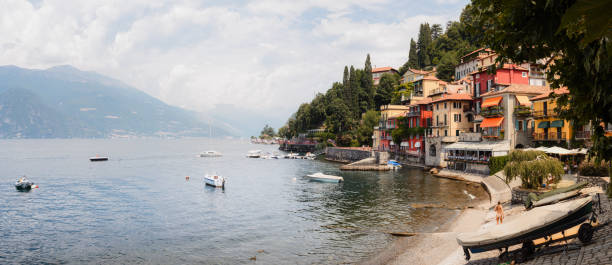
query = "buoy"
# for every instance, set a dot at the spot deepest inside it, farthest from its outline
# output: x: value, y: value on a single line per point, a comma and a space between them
x: 35, y: 186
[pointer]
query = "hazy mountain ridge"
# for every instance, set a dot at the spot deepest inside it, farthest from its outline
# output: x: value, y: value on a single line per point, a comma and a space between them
x: 64, y: 102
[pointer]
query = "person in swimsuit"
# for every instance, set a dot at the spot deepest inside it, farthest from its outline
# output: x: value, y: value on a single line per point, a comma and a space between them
x: 499, y: 213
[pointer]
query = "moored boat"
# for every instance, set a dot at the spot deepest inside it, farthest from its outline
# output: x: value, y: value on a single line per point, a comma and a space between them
x: 324, y: 178
x: 210, y: 153
x: 394, y: 164
x: 254, y: 154
x: 215, y: 181
x: 537, y: 223
x: 23, y: 184
x: 98, y: 158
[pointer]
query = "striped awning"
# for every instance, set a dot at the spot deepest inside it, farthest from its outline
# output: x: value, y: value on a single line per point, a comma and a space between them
x: 523, y: 100
x: 491, y: 122
x: 556, y: 124
x: 489, y: 102
x: 543, y: 124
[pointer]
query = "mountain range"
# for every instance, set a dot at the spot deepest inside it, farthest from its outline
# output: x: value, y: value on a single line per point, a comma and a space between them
x: 65, y: 102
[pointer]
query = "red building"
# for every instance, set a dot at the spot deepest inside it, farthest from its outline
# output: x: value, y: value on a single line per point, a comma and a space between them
x: 418, y: 116
x: 484, y: 81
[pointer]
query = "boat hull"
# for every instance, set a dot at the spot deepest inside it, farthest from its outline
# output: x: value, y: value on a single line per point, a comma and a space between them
x: 98, y: 159
x: 23, y: 186
x: 571, y: 220
x: 325, y: 178
x: 217, y: 183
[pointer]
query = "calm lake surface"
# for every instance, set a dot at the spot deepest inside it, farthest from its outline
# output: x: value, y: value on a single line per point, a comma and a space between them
x: 138, y: 207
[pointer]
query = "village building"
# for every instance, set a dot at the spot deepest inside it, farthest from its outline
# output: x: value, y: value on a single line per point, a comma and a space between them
x: 474, y: 61
x: 377, y: 73
x: 549, y: 128
x: 418, y: 119
x: 382, y: 140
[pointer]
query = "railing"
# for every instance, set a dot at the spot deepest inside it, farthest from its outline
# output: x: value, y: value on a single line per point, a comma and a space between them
x: 470, y: 137
x: 551, y: 136
x: 439, y: 124
x: 473, y: 159
x: 543, y: 113
x: 413, y: 114
x: 583, y: 135
x: 492, y: 112
x: 522, y: 111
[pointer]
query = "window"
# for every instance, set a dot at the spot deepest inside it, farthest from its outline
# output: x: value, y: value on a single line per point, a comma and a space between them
x: 444, y: 119
x: 445, y: 132
x: 437, y: 120
x: 524, y: 74
x: 489, y: 82
x: 520, y: 125
x: 418, y: 122
x: 477, y: 92
x: 477, y: 75
x: 456, y: 132
x: 437, y: 106
x: 444, y: 105
x: 432, y: 150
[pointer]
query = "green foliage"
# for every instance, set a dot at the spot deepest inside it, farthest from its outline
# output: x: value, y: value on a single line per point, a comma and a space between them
x: 533, y: 167
x: 423, y: 45
x: 366, y: 128
x: 404, y: 89
x: 339, y: 118
x: 497, y: 163
x: 446, y: 66
x: 267, y: 131
x: 385, y: 89
x: 592, y: 168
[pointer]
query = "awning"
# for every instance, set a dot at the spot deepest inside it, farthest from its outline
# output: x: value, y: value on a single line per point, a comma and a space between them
x: 556, y: 124
x: 524, y: 101
x: 491, y: 122
x: 543, y: 124
x: 491, y: 102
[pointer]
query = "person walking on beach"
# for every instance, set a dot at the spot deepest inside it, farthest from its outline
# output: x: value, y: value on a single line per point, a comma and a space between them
x: 499, y: 213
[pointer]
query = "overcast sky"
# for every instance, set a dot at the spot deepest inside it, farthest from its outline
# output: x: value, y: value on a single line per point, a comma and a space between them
x: 265, y: 56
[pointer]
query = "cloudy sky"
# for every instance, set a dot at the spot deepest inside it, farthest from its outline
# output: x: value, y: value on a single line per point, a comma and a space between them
x: 263, y: 57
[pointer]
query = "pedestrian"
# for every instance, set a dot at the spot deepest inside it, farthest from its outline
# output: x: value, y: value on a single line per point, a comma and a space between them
x: 499, y: 213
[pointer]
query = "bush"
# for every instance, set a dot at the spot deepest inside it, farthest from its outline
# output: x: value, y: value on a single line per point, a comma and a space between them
x: 589, y: 168
x: 497, y: 163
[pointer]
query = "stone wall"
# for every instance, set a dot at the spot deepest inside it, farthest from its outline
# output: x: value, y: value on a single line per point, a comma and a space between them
x: 593, y: 181
x: 346, y: 155
x: 519, y: 195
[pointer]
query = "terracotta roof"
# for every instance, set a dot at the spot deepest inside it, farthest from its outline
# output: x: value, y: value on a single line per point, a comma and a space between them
x: 453, y: 97
x: 382, y: 69
x: 505, y: 66
x: 546, y: 94
x: 475, y: 51
x: 518, y: 88
x: 423, y: 101
x: 416, y: 71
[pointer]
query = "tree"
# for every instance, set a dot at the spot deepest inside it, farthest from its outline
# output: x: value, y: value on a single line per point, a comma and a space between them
x: 338, y: 117
x: 446, y: 67
x: 404, y: 90
x: 423, y: 44
x: 436, y: 31
x: 267, y: 131
x: 413, y: 60
x: 345, y: 76
x: 367, y: 83
x: 352, y: 100
x: 533, y: 167
x: 385, y: 89
x: 366, y: 127
x: 575, y: 34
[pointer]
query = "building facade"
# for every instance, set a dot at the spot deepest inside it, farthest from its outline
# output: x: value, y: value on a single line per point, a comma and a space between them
x: 388, y: 121
x: 377, y: 73
x: 473, y: 61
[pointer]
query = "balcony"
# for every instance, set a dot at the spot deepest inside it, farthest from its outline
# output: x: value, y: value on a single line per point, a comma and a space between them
x: 439, y: 125
x: 551, y: 136
x: 413, y: 114
x: 469, y: 159
x: 543, y: 113
x: 496, y: 135
x: 492, y: 112
x: 583, y: 135
x: 522, y: 111
x: 470, y: 137
x: 468, y: 108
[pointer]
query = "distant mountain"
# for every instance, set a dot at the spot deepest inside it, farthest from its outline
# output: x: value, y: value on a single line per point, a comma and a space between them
x: 64, y: 102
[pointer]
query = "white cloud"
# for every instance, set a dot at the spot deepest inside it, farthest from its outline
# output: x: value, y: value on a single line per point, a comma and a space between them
x: 268, y: 55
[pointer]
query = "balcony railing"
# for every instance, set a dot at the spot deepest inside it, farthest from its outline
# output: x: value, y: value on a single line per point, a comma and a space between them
x: 472, y: 159
x: 543, y: 113
x: 583, y: 135
x: 551, y: 136
x: 522, y: 111
x: 492, y: 112
x: 439, y: 124
x: 413, y: 114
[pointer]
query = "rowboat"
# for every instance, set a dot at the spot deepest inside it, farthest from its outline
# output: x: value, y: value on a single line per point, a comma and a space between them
x: 215, y: 181
x: 324, y: 178
x: 537, y: 223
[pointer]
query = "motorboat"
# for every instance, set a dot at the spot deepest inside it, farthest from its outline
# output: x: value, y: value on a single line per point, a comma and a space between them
x: 394, y: 165
x: 254, y: 154
x: 325, y: 178
x: 292, y: 156
x: 210, y: 153
x: 98, y: 158
x: 215, y: 181
x: 310, y: 156
x: 275, y: 156
x: 534, y: 224
x: 23, y: 184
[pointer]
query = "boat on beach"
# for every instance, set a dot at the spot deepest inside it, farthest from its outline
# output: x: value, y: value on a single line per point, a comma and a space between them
x: 210, y: 153
x: 98, y: 158
x: 537, y: 223
x: 324, y: 178
x: 214, y: 181
x: 23, y: 184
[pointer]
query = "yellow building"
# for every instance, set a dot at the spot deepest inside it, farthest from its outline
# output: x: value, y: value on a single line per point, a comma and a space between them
x: 548, y: 126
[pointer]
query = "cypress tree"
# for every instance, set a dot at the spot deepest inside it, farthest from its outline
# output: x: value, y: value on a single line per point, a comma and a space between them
x: 345, y: 77
x: 413, y: 60
x: 353, y: 94
x: 368, y: 83
x: 423, y: 45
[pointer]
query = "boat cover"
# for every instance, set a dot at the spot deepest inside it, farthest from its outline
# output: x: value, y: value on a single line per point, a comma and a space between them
x: 522, y: 224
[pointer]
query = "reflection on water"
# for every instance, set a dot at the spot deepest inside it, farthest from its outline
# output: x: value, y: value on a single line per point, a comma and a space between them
x: 138, y: 207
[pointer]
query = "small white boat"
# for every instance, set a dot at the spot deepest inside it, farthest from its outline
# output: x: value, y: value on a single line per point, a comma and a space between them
x: 215, y: 181
x: 325, y: 178
x: 394, y: 165
x: 210, y: 153
x: 254, y: 154
x: 292, y: 156
x: 275, y: 156
x: 310, y: 156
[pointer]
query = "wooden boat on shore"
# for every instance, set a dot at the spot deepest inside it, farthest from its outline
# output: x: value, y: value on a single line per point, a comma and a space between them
x: 324, y: 178
x: 214, y: 181
x: 537, y: 223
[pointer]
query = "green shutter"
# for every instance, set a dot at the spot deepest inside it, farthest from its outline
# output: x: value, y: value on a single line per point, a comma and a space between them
x: 543, y: 124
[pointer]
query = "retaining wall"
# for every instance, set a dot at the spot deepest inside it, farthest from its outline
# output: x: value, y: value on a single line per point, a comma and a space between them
x: 346, y: 155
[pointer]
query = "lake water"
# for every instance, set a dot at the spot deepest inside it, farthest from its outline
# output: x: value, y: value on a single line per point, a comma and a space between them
x: 138, y: 207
